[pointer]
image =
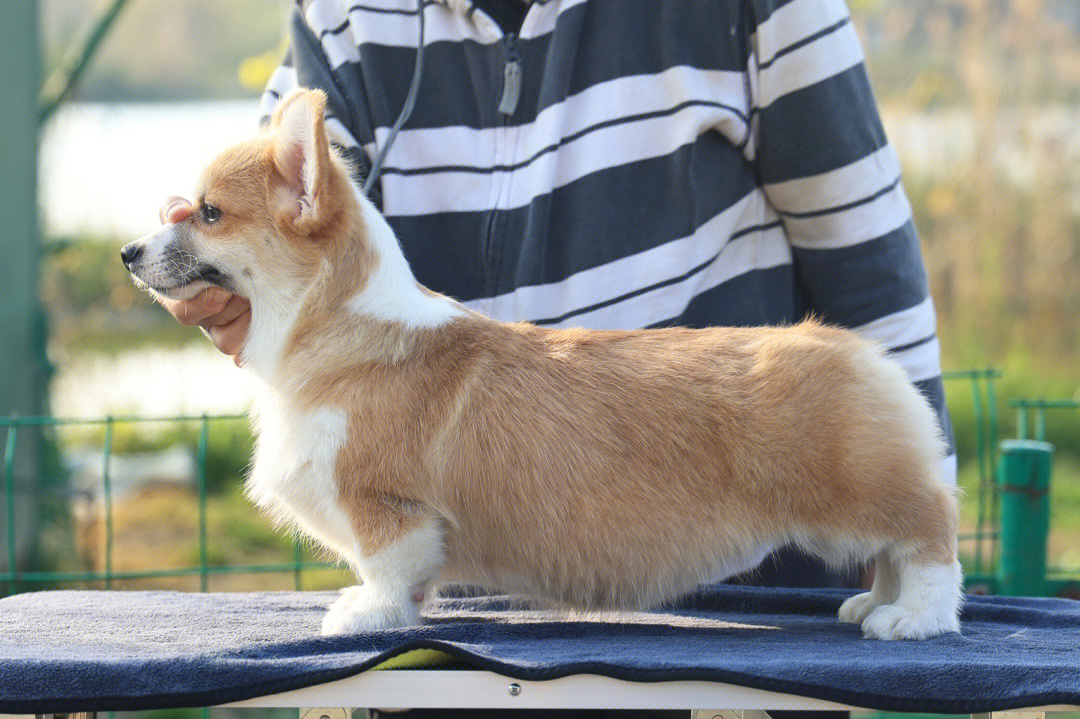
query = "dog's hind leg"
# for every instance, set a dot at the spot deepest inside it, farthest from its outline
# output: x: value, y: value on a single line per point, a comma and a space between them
x: 885, y: 590
x: 929, y: 579
x: 928, y: 604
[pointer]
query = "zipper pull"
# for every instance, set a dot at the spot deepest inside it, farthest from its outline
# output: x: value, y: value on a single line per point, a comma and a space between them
x: 511, y: 79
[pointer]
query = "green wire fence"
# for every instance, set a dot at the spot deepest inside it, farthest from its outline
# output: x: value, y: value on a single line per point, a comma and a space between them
x: 983, y: 540
x: 16, y: 580
x: 980, y: 560
x: 1058, y: 579
x: 1038, y: 407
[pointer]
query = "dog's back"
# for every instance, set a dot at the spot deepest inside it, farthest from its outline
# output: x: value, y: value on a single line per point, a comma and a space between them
x: 620, y: 468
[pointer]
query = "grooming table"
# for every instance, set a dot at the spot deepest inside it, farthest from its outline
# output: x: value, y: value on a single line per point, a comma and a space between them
x: 740, y: 648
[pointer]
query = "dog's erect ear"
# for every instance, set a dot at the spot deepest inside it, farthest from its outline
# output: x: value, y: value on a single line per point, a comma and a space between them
x: 301, y: 154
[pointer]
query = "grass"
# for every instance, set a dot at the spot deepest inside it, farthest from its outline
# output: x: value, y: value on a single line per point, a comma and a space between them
x: 1063, y: 550
x: 157, y: 528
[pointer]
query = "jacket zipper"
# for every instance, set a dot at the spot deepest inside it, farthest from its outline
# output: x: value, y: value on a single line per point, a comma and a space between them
x: 508, y: 103
x: 511, y: 79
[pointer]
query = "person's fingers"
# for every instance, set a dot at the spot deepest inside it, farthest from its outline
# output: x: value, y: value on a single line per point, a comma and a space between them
x: 176, y: 209
x: 203, y: 305
x: 225, y: 317
x: 230, y: 338
x: 235, y: 307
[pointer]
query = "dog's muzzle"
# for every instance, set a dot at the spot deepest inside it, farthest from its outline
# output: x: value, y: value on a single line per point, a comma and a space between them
x: 169, y: 270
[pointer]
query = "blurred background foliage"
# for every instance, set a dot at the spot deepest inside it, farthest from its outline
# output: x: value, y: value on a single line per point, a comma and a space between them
x: 166, y: 51
x: 1000, y: 221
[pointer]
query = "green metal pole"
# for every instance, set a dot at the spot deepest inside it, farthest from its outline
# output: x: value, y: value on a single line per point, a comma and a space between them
x: 21, y: 359
x: 991, y: 402
x: 9, y: 490
x: 70, y: 80
x: 204, y: 439
x: 1024, y: 481
x: 1040, y: 424
x: 980, y: 453
x: 106, y: 482
x: 298, y: 565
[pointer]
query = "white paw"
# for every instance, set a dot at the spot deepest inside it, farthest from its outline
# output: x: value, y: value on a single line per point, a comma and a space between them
x: 363, y: 609
x: 893, y: 621
x: 855, y: 609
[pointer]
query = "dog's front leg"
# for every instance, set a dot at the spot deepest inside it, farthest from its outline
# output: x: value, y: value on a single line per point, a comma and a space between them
x: 399, y: 552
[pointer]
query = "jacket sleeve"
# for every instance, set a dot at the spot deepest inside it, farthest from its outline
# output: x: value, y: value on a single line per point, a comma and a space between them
x: 830, y: 173
x: 306, y: 65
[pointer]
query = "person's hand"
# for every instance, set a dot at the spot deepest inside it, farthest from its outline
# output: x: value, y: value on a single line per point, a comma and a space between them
x: 225, y: 317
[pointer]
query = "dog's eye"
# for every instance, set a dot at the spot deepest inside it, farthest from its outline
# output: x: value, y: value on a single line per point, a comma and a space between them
x: 211, y: 213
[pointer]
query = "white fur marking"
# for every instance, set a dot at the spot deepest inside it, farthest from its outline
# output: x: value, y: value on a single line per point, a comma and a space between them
x: 928, y: 604
x: 293, y: 471
x: 392, y: 293
x: 391, y: 577
x: 273, y: 315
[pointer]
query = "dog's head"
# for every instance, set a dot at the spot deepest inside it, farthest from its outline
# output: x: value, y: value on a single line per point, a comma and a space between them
x: 263, y: 214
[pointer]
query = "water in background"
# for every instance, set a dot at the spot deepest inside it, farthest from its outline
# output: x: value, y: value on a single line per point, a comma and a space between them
x: 152, y: 382
x: 104, y: 169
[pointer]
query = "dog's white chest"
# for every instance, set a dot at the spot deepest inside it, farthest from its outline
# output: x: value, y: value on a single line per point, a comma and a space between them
x: 293, y: 472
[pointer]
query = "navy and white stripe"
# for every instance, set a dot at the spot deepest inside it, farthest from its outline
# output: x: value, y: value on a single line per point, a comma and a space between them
x: 693, y: 162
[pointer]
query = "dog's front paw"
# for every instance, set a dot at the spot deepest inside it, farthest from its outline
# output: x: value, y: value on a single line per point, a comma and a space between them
x: 893, y: 621
x: 364, y: 609
x: 857, y: 608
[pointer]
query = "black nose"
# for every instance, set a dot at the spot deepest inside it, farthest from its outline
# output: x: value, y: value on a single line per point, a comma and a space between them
x: 129, y: 253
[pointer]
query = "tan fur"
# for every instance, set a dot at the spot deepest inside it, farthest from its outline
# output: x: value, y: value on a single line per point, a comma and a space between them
x: 615, y: 468
x: 591, y: 468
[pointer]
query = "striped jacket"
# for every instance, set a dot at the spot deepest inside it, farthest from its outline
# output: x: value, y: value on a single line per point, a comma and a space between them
x: 632, y: 163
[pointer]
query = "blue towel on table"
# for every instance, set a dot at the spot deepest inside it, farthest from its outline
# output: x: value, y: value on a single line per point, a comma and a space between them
x: 86, y: 651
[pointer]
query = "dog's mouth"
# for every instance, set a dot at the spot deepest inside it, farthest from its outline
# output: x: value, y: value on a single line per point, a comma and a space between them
x: 183, y: 291
x: 178, y: 278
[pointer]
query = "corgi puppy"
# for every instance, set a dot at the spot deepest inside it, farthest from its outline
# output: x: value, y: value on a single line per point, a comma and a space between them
x: 423, y: 443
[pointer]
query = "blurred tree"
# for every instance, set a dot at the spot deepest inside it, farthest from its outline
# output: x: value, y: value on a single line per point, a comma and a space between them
x: 163, y: 49
x: 1000, y: 215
